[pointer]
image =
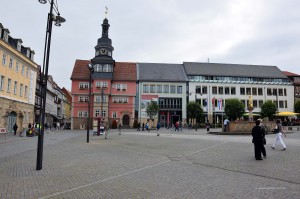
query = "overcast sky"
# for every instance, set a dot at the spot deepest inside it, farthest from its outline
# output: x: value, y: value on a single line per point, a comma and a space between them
x: 259, y: 32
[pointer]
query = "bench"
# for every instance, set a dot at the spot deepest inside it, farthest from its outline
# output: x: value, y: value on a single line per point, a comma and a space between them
x: 3, y: 131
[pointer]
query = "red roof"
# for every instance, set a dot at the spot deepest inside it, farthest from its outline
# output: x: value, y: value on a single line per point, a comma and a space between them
x: 80, y: 70
x: 287, y: 73
x: 125, y: 71
x: 122, y: 71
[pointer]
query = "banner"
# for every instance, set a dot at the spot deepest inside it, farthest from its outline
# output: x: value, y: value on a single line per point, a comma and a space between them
x: 220, y: 104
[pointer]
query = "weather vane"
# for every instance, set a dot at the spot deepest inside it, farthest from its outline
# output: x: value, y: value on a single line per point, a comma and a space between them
x: 106, y: 11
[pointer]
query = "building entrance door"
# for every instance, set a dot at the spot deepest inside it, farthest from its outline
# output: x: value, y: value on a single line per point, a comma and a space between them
x: 126, y: 120
x: 11, y: 120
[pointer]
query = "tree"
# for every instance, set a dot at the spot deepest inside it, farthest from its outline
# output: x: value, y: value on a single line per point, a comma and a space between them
x: 152, y: 110
x: 297, y: 107
x: 234, y: 109
x: 268, y: 109
x: 194, y: 110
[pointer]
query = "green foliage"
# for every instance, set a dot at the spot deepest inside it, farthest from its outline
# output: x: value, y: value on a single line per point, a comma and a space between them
x: 268, y: 109
x: 114, y: 124
x: 234, y: 109
x: 152, y: 109
x: 297, y: 107
x: 194, y: 110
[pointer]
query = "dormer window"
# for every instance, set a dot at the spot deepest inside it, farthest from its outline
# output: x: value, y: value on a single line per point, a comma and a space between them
x: 19, y: 45
x: 5, y: 36
x: 32, y: 55
x: 28, y: 53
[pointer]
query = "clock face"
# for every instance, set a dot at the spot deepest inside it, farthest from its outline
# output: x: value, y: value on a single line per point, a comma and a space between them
x: 103, y: 51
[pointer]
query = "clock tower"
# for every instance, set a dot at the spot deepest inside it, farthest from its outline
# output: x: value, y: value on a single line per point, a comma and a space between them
x: 103, y: 62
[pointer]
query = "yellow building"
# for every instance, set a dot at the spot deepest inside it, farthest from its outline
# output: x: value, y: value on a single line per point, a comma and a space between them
x: 17, y: 82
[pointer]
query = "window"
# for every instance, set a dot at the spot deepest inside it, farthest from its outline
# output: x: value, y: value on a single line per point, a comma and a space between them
x: 152, y: 88
x: 159, y: 88
x: 17, y: 67
x: 248, y: 91
x: 214, y: 90
x: 232, y: 90
x: 166, y: 89
x: 260, y: 91
x: 115, y: 100
x: 280, y: 92
x: 285, y: 104
x: 204, y: 89
x: 83, y: 85
x: 103, y: 114
x: 274, y: 91
x: 3, y: 59
x: 15, y: 87
x: 97, y: 99
x: 198, y: 89
x: 2, y: 78
x: 23, y: 70
x: 25, y: 91
x: 82, y: 114
x: 146, y: 88
x: 8, y: 85
x: 10, y: 65
x: 254, y: 91
x: 179, y: 89
x: 97, y: 113
x: 172, y: 89
x: 81, y: 99
x: 254, y: 103
x: 114, y: 114
x: 284, y: 90
x: 242, y: 91
x: 227, y: 91
x: 269, y: 91
x: 98, y: 84
x: 104, y: 84
x: 220, y: 90
x: 21, y: 90
x: 260, y: 103
x: 281, y: 104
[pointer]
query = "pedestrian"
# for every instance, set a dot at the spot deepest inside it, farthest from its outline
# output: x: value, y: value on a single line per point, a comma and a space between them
x: 119, y: 129
x: 147, y: 126
x: 257, y: 140
x: 143, y: 126
x: 263, y: 149
x: 207, y: 126
x: 15, y: 127
x: 279, y: 130
x: 226, y: 123
x: 139, y: 127
x: 157, y: 128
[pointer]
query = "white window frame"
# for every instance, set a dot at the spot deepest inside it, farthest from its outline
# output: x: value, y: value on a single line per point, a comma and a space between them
x: 114, y: 114
x: 23, y: 70
x: 10, y: 65
x: 103, y: 114
x: 17, y: 67
x: 97, y: 113
x: 4, y: 59
x: 8, y: 85
x: 26, y: 91
x: 2, y: 79
x: 15, y: 87
x: 21, y: 90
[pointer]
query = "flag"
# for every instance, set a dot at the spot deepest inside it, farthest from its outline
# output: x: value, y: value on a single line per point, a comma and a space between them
x: 220, y: 104
x: 206, y: 104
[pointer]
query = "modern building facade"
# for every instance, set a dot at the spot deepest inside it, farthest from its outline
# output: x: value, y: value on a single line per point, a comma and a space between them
x: 18, y: 73
x: 211, y: 84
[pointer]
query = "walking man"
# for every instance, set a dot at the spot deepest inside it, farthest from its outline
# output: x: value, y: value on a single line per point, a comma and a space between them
x: 157, y: 128
x: 257, y: 134
x: 278, y: 139
x: 15, y: 127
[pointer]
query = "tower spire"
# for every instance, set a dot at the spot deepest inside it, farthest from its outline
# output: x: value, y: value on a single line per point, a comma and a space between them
x: 106, y: 12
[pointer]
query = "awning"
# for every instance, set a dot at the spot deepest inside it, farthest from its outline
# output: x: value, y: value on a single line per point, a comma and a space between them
x: 253, y: 114
x: 286, y: 113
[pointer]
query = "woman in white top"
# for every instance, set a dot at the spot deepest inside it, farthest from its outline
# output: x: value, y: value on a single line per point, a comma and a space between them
x: 278, y: 136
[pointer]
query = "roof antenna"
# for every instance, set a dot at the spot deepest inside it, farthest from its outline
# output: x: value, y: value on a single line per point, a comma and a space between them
x: 106, y: 12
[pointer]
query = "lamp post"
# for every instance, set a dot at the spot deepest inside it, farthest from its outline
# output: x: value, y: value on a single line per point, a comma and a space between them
x: 91, y: 69
x: 44, y: 77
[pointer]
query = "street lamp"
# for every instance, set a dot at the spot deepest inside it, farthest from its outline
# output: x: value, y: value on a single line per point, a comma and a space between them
x: 91, y: 69
x: 44, y: 77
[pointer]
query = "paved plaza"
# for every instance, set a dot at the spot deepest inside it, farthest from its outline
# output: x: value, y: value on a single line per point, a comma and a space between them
x: 188, y: 164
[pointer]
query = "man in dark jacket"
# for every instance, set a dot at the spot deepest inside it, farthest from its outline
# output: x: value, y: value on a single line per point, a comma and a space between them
x: 258, y: 134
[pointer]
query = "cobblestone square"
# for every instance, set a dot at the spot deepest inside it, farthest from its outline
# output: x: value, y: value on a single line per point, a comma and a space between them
x: 188, y: 164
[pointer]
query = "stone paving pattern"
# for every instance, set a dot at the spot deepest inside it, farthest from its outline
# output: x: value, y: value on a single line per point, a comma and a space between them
x: 188, y: 164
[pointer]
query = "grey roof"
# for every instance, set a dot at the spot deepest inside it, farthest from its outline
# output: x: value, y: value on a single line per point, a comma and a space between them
x: 232, y: 70
x: 160, y: 72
